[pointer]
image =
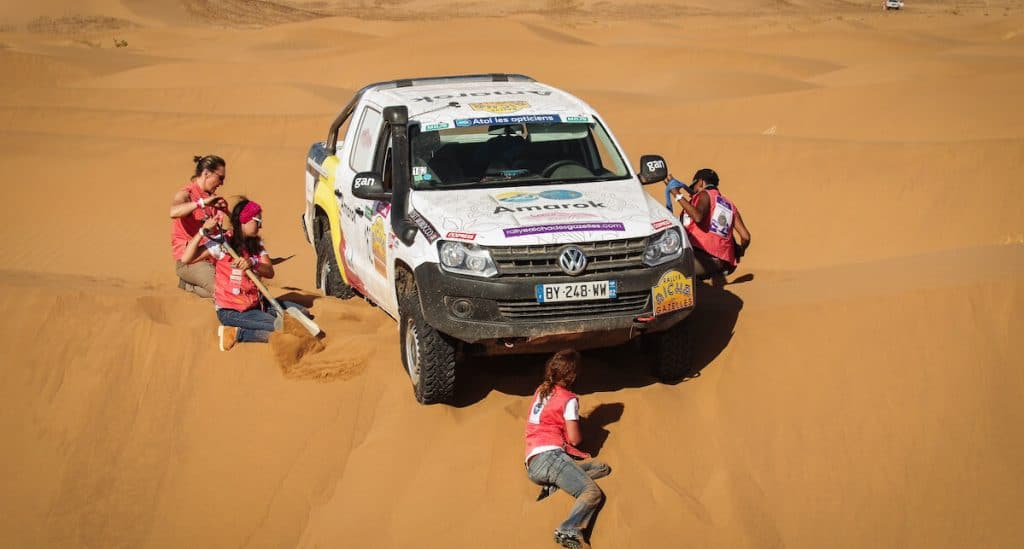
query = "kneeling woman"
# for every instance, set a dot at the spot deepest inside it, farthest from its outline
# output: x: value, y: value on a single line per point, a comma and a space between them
x: 243, y: 314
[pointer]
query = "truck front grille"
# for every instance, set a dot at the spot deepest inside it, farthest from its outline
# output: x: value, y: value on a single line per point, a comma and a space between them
x: 631, y: 303
x: 542, y: 259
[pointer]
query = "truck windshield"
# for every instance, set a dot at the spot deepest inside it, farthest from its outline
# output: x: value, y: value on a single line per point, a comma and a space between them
x: 527, y: 153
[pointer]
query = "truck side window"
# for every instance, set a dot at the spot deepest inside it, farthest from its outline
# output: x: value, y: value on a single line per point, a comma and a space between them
x: 365, y: 146
x: 382, y: 156
x: 386, y: 170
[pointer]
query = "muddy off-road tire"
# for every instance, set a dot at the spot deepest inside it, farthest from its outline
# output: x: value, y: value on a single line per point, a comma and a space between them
x: 673, y: 348
x: 328, y: 275
x: 428, y: 355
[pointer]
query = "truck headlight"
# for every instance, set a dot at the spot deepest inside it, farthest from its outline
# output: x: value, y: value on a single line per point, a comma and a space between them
x: 470, y: 259
x: 666, y: 246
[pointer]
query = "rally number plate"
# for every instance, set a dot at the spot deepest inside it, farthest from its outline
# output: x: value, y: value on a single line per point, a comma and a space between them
x: 576, y: 291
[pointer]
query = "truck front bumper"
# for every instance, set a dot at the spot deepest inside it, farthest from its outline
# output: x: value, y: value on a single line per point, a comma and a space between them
x: 504, y: 312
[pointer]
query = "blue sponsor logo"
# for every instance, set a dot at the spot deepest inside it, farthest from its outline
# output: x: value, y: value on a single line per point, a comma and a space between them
x: 561, y: 194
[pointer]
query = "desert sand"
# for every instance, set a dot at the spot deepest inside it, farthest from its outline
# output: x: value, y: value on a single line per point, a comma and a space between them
x: 861, y: 384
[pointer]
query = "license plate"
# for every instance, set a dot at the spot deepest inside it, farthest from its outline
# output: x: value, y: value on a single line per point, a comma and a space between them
x: 576, y: 291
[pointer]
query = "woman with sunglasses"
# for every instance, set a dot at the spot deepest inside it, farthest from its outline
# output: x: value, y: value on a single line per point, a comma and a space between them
x: 189, y: 207
x: 242, y: 312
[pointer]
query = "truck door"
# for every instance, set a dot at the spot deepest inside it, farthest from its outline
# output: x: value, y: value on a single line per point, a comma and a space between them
x: 364, y: 138
x: 377, y: 228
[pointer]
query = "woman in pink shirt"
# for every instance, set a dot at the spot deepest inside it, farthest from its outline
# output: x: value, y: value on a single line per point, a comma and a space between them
x: 243, y: 313
x: 552, y: 434
x: 189, y: 207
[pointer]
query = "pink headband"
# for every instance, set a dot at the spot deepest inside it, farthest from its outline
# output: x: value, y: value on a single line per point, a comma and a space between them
x: 249, y: 211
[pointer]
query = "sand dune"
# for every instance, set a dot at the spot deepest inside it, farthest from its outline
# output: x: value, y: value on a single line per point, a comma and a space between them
x: 860, y: 383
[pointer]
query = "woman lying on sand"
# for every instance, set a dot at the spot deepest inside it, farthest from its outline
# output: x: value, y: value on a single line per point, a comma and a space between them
x: 552, y: 433
x: 243, y: 314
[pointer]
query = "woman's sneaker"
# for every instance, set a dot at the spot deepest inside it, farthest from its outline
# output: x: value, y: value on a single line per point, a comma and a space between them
x: 570, y: 540
x: 228, y: 335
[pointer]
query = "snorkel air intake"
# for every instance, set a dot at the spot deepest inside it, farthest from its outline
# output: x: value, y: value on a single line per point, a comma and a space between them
x: 398, y: 118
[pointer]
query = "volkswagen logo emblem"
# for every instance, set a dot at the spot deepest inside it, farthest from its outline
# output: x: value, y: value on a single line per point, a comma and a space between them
x: 572, y: 260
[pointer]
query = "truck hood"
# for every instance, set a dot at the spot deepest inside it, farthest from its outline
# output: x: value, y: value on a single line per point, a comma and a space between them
x: 550, y: 214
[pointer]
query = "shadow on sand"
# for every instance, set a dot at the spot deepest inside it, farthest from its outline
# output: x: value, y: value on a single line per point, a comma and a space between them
x: 609, y: 369
x: 296, y: 295
x: 593, y: 425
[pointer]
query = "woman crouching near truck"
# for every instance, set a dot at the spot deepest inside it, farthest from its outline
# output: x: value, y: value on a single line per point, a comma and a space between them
x: 243, y: 314
x: 552, y: 434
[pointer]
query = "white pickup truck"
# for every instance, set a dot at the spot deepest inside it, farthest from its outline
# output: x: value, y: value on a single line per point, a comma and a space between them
x: 493, y: 214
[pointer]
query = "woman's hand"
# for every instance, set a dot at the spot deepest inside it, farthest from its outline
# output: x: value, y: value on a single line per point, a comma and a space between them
x: 210, y: 224
x: 241, y: 263
x: 216, y: 202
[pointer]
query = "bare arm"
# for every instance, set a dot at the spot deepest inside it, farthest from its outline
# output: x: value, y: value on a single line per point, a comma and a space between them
x: 182, y: 204
x: 699, y: 212
x: 192, y: 253
x: 572, y: 432
x: 741, y: 231
x: 263, y: 267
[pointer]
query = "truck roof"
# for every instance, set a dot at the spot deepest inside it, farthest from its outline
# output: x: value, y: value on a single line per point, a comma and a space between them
x: 460, y: 100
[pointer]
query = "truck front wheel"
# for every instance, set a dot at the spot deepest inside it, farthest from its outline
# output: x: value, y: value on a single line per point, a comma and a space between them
x: 427, y: 354
x: 673, y: 352
x: 327, y: 271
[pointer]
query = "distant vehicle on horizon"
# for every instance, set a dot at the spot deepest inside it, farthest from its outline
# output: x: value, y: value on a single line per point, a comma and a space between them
x: 892, y: 5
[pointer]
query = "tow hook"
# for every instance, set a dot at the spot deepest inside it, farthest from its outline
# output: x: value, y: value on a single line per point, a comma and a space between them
x: 511, y: 342
x: 640, y: 322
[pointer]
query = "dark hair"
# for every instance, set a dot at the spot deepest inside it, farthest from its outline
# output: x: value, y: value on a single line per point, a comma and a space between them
x: 236, y: 239
x: 708, y: 175
x: 209, y: 162
x: 561, y: 368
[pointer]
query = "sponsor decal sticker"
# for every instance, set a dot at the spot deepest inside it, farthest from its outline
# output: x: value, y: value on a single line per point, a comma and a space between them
x: 561, y: 194
x: 673, y: 291
x: 460, y: 235
x: 446, y: 96
x: 379, y: 236
x: 381, y: 207
x: 577, y: 118
x: 540, y: 207
x: 661, y: 224
x: 436, y: 126
x: 563, y: 228
x: 518, y: 119
x: 348, y: 212
x: 653, y: 165
x: 418, y: 170
x: 561, y: 215
x: 428, y: 230
x: 500, y: 107
x: 516, y: 196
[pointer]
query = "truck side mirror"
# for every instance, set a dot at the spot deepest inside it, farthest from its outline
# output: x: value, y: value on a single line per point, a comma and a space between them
x: 652, y: 169
x: 369, y: 186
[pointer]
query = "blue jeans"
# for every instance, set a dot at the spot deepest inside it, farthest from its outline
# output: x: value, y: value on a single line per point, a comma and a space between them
x: 254, y: 324
x: 558, y: 468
